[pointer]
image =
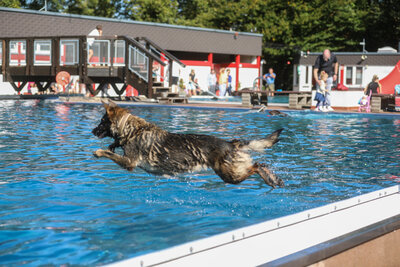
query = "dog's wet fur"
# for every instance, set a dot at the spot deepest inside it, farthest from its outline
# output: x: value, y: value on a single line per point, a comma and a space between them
x: 277, y: 113
x: 159, y: 152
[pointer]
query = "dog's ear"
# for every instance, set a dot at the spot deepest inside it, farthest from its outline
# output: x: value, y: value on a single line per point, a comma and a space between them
x: 109, y: 106
x: 112, y: 104
x: 106, y: 106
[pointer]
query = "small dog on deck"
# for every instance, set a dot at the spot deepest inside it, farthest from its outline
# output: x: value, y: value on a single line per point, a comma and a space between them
x: 157, y: 151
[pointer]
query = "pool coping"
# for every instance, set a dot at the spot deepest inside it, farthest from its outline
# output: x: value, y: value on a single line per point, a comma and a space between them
x: 337, y: 245
x: 294, y: 240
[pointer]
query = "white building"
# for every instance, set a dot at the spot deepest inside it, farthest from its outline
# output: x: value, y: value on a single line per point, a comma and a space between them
x: 355, y: 72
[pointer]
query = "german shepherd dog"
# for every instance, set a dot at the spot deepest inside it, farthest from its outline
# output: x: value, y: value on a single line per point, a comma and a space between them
x: 159, y: 152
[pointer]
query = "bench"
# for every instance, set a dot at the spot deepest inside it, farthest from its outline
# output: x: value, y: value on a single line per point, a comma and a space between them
x: 297, y: 100
x: 300, y: 100
x: 182, y: 100
x: 382, y: 102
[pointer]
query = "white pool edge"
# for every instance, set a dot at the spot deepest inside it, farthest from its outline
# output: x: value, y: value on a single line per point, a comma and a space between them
x: 271, y: 240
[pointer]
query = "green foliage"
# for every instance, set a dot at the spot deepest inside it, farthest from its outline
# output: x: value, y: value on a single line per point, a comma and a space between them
x: 52, y: 5
x: 164, y: 11
x: 101, y: 8
x: 10, y: 3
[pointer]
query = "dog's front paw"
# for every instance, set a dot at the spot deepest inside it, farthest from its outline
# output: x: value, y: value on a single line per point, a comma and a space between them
x: 99, y: 153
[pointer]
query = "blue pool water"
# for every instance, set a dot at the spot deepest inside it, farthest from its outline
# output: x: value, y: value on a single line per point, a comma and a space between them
x: 60, y: 205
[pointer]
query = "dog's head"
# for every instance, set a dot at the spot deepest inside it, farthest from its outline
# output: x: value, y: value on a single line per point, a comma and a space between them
x: 106, y: 125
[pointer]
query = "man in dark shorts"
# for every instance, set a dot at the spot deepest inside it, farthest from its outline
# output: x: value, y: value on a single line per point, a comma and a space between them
x: 326, y: 62
x: 269, y: 78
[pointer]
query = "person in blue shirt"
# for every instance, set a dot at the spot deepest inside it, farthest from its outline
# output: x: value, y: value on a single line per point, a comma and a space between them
x: 229, y: 81
x: 270, y: 79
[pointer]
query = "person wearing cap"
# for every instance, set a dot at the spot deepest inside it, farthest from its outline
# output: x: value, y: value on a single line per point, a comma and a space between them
x: 96, y: 32
x: 373, y: 86
x: 326, y: 62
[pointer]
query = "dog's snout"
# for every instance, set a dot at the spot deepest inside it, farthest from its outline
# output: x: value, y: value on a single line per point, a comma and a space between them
x: 94, y: 131
x: 97, y: 131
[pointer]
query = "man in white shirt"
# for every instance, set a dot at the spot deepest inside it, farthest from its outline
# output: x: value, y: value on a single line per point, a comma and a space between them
x: 96, y: 32
x: 212, y: 81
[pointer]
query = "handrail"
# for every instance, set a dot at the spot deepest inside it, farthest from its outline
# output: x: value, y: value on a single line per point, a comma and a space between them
x: 165, y: 52
x: 163, y: 77
x: 143, y: 49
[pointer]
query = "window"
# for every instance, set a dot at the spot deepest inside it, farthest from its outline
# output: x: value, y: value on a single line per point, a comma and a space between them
x: 101, y: 51
x: 349, y: 75
x: 307, y: 74
x: 119, y: 53
x: 42, y: 52
x: 359, y: 74
x: 138, y: 63
x: 354, y: 75
x: 17, y: 53
x: 1, y: 52
x: 69, y: 52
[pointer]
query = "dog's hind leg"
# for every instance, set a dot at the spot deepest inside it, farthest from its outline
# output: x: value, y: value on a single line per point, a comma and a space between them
x: 122, y: 161
x: 268, y: 176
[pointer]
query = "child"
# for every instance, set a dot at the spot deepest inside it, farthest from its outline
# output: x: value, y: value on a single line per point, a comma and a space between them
x: 363, y: 100
x: 320, y: 95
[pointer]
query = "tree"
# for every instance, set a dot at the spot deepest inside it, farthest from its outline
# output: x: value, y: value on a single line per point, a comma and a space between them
x: 382, y: 22
x: 101, y: 8
x: 10, y: 3
x: 52, y: 5
x: 164, y: 11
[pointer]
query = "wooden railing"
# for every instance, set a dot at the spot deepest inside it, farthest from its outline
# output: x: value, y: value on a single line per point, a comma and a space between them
x: 40, y: 58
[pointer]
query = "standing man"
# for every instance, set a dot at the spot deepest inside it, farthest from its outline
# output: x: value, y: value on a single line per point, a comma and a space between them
x: 270, y: 79
x: 96, y: 32
x: 223, y: 82
x: 229, y: 86
x: 326, y: 62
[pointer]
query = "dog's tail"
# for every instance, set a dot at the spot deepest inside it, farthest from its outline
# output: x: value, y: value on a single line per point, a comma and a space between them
x: 261, y: 144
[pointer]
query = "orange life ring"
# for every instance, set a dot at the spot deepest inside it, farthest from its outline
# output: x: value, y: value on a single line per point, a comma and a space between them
x: 63, y: 78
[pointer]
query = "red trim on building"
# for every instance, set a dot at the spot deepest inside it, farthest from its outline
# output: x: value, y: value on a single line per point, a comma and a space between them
x: 341, y: 74
x: 259, y: 70
x: 222, y: 65
x: 210, y: 59
x: 241, y: 65
x: 196, y: 63
x: 237, y: 65
x: 163, y: 58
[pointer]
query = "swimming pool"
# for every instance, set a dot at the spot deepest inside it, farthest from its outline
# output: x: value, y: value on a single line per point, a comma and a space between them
x: 59, y: 205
